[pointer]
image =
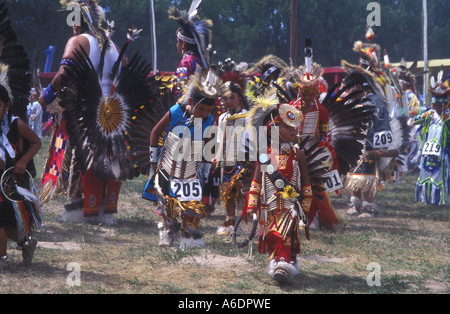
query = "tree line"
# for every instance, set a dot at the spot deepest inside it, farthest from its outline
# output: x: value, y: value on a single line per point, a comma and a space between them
x: 247, y: 30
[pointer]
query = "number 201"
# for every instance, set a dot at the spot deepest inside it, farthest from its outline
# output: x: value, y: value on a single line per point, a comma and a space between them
x: 330, y: 184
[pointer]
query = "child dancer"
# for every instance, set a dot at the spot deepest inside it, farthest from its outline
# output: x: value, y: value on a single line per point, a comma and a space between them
x: 280, y: 191
x: 179, y: 179
x: 231, y: 162
x: 18, y: 145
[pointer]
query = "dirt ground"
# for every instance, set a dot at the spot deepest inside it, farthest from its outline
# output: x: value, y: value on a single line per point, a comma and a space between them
x: 408, y: 241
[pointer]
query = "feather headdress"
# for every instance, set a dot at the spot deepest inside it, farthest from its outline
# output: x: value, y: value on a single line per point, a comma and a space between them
x: 370, y: 55
x: 438, y: 87
x: 267, y: 111
x: 407, y: 75
x: 4, y: 79
x: 199, y: 30
x: 307, y: 77
x: 229, y: 71
x: 269, y: 65
x: 234, y: 78
x: 263, y: 106
x: 205, y: 87
x: 370, y: 78
x: 93, y: 14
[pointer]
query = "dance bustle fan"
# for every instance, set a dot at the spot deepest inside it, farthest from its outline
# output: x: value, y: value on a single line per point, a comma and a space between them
x: 99, y: 126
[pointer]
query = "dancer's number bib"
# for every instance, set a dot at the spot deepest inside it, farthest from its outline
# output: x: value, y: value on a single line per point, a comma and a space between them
x: 186, y: 190
x: 432, y: 148
x: 382, y: 139
x: 333, y: 181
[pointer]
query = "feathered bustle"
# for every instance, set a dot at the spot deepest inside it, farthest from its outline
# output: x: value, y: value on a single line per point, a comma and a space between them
x: 348, y: 124
x: 101, y: 128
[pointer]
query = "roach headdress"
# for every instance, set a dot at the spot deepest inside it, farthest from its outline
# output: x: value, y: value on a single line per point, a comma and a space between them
x: 235, y: 80
x: 307, y: 77
x: 204, y: 87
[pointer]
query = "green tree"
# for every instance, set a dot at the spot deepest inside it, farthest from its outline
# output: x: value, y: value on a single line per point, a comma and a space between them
x: 247, y: 30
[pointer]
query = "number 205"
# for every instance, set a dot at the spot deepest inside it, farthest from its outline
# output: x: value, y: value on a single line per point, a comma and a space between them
x: 187, y: 189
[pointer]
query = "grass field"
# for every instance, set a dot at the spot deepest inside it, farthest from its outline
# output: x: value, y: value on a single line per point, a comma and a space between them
x: 409, y: 242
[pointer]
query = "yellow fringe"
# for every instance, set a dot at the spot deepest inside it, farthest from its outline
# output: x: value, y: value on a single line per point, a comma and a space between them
x: 228, y: 193
x: 195, y: 206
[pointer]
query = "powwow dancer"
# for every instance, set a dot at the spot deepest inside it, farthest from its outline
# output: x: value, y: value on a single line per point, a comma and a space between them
x: 20, y: 210
x: 193, y: 43
x: 396, y: 104
x: 315, y: 130
x: 232, y: 163
x: 336, y: 125
x: 433, y: 183
x: 180, y: 172
x: 62, y: 173
x: 280, y: 192
x: 370, y: 61
x: 100, y: 92
x: 315, y: 127
x: 398, y: 111
x: 383, y: 141
x: 407, y: 81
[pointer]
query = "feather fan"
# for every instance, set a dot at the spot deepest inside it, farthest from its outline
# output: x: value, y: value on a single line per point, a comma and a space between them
x: 99, y: 126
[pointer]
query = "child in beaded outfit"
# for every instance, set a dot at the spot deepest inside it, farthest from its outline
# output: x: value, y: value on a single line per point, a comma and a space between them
x: 179, y: 184
x: 280, y: 191
x: 231, y: 163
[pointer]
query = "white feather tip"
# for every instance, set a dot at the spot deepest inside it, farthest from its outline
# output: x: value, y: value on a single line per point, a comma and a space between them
x: 193, y: 10
x: 133, y: 34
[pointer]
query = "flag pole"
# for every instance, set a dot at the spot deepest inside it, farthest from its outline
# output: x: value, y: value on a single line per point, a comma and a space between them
x: 155, y: 57
x: 294, y: 32
x: 425, y: 50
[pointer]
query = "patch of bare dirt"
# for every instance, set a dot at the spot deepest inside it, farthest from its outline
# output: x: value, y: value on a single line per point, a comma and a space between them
x: 322, y: 259
x: 437, y: 287
x: 218, y: 261
x: 67, y: 246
